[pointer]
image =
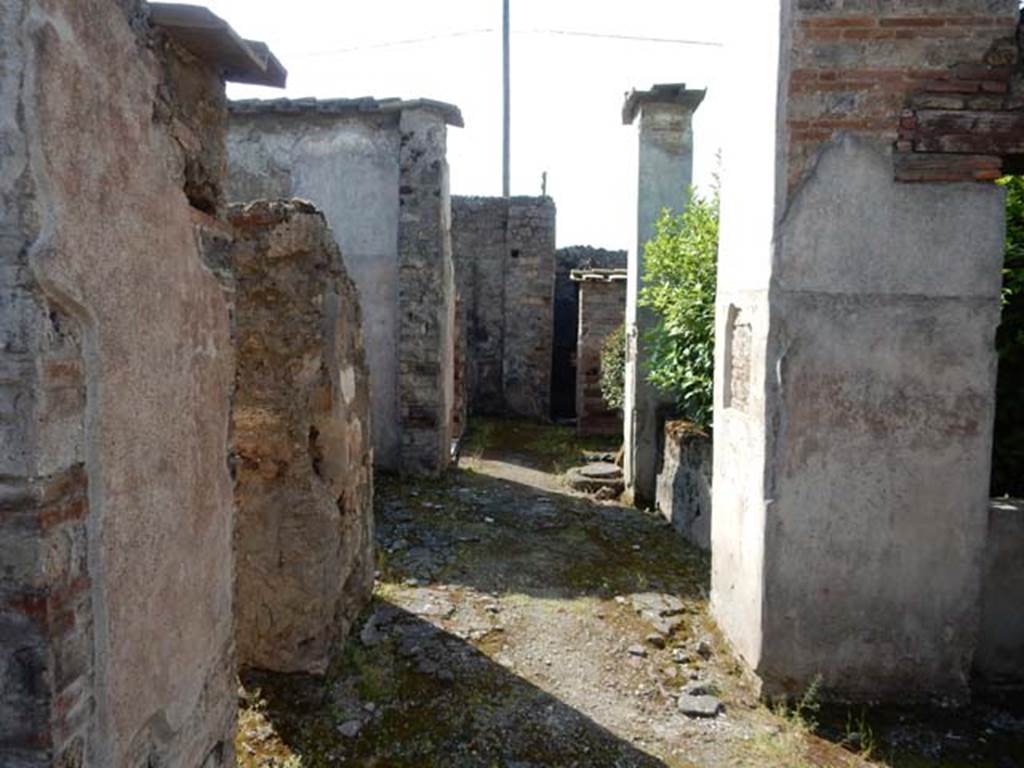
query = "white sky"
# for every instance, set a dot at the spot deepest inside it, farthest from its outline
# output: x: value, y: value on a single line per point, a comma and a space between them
x: 567, y: 92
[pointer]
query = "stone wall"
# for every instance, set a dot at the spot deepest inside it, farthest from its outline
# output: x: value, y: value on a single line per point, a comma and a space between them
x: 602, y: 302
x: 566, y: 320
x: 855, y: 365
x: 999, y: 660
x: 426, y: 297
x: 505, y: 262
x: 480, y: 251
x: 684, y: 482
x: 117, y: 372
x: 301, y: 441
x: 347, y: 157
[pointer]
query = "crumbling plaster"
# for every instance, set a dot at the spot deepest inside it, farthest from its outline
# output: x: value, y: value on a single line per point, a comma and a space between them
x: 111, y: 244
x: 855, y: 377
x: 350, y: 168
x: 378, y: 171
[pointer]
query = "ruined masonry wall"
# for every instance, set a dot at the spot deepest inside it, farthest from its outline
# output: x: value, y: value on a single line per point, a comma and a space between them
x: 864, y: 71
x: 530, y: 307
x: 117, y: 370
x: 478, y: 245
x: 348, y: 166
x: 844, y: 295
x: 505, y: 263
x: 381, y: 179
x: 684, y: 482
x: 301, y: 439
x: 602, y: 310
x: 426, y: 297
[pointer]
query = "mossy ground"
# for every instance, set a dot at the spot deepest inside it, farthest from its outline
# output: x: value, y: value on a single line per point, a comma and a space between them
x: 506, y: 629
x: 548, y: 448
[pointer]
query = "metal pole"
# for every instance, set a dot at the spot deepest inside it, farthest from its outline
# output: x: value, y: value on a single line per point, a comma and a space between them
x: 506, y: 171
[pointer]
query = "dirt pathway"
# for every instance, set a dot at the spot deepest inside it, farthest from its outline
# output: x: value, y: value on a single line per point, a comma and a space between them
x: 519, y: 626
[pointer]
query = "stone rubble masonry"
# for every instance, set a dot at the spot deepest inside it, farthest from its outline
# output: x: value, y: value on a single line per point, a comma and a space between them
x: 505, y: 262
x: 602, y: 301
x: 684, y: 482
x: 855, y: 369
x: 376, y: 180
x: 426, y: 295
x: 300, y: 440
x: 481, y: 252
x: 566, y: 320
x: 116, y: 566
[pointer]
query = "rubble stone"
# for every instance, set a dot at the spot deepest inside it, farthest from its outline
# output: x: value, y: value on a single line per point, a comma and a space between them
x: 505, y: 265
x: 301, y: 438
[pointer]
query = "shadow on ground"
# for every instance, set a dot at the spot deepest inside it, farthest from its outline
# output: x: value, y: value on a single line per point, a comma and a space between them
x: 419, y: 696
x: 517, y: 625
x: 498, y: 535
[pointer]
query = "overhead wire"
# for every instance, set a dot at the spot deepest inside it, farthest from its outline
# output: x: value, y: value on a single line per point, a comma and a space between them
x: 490, y: 30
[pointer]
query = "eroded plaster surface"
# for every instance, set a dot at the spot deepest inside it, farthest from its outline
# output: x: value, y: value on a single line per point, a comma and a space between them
x: 101, y: 256
x: 855, y: 366
x: 349, y: 167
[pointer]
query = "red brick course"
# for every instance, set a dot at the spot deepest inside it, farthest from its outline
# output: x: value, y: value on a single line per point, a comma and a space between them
x: 897, y: 75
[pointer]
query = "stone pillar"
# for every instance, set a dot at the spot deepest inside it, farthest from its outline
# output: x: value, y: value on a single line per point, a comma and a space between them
x: 426, y: 295
x: 301, y: 439
x: 664, y: 179
x: 855, y: 368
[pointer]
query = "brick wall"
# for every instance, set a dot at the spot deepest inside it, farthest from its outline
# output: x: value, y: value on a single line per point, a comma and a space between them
x: 505, y: 264
x: 892, y: 71
x: 46, y: 671
x: 566, y: 320
x: 602, y: 310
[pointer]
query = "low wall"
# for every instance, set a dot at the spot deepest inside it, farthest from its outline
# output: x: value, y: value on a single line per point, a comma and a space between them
x: 999, y: 658
x: 301, y: 438
x: 684, y: 482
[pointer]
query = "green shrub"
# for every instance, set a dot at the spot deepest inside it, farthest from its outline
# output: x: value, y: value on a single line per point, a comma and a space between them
x: 613, y: 368
x: 680, y: 279
x: 1008, y: 453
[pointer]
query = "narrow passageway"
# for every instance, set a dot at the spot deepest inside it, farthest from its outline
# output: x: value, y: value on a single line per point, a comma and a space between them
x: 515, y: 624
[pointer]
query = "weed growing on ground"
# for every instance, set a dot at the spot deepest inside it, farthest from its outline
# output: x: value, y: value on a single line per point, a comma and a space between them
x: 859, y: 734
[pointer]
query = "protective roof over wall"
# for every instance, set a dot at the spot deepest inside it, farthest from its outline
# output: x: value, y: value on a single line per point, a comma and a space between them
x: 211, y: 39
x: 367, y: 105
x: 668, y: 93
